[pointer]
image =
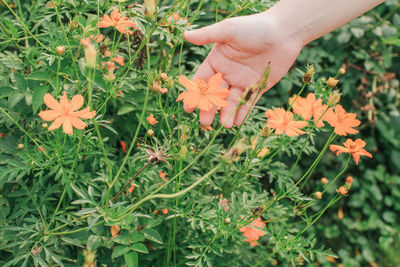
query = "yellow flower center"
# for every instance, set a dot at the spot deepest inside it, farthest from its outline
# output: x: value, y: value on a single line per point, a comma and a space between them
x: 203, y: 86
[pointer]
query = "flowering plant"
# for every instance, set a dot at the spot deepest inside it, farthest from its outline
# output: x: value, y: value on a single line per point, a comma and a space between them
x: 132, y: 179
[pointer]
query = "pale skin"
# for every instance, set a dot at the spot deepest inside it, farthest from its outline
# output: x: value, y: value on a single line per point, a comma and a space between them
x: 244, y: 46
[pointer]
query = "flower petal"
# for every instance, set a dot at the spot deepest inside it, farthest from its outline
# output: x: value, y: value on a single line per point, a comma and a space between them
x: 188, y: 84
x: 215, y: 81
x: 64, y: 100
x: 57, y: 123
x: 76, y: 102
x: 51, y: 102
x: 67, y: 126
x: 77, y: 123
x: 49, y: 115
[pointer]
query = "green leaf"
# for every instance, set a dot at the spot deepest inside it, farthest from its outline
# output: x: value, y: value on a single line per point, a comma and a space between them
x: 94, y: 241
x: 5, y: 91
x: 119, y: 251
x: 14, y: 98
x: 39, y: 76
x: 19, y: 81
x: 152, y: 235
x: 37, y: 98
x: 122, y: 239
x: 137, y: 237
x: 17, y: 259
x: 126, y: 108
x: 54, y: 257
x: 131, y: 259
x: 139, y: 247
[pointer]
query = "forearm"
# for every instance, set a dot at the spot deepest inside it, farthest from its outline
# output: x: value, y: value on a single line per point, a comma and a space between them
x: 307, y: 20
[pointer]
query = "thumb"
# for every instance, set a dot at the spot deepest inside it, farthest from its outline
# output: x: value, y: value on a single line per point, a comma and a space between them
x: 216, y: 33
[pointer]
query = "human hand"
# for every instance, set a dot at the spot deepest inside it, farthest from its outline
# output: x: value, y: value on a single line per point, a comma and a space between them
x: 244, y: 47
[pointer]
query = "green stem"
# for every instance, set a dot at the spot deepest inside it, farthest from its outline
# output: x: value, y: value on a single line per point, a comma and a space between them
x: 26, y: 28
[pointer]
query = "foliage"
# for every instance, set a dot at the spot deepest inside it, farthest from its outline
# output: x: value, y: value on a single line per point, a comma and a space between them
x: 64, y: 198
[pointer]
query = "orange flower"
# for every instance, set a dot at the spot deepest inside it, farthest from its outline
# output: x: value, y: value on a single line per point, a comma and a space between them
x: 123, y: 146
x: 342, y: 121
x: 118, y: 21
x: 253, y: 231
x: 206, y: 127
x: 130, y: 190
x: 203, y: 94
x: 114, y: 231
x: 309, y: 107
x: 151, y: 120
x: 120, y: 94
x: 163, y: 176
x: 355, y: 148
x: 282, y: 121
x: 64, y: 113
x: 119, y: 60
x: 342, y: 190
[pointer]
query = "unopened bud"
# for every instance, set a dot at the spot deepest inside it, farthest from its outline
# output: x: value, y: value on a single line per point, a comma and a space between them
x: 263, y: 81
x: 90, y: 57
x: 72, y: 25
x: 45, y: 126
x: 164, y: 76
x: 266, y: 131
x: 247, y: 94
x: 150, y: 132
x: 90, y: 258
x: 318, y: 195
x: 164, y: 211
x: 227, y: 220
x: 60, y: 49
x: 349, y: 180
x: 149, y: 9
x: 334, y: 98
x: 183, y: 152
x: 21, y: 146
x: 307, y: 77
x: 233, y: 154
x: 332, y: 82
x: 324, y: 180
x: 110, y: 72
x: 342, y: 70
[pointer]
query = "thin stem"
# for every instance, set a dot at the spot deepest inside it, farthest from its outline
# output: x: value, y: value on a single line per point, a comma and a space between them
x: 133, y: 178
x: 58, y: 206
x: 26, y: 28
x: 22, y: 129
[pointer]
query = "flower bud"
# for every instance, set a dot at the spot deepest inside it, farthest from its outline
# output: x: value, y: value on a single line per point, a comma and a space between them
x: 318, y: 195
x: 155, y: 212
x: 263, y: 81
x: 342, y: 190
x: 110, y: 72
x: 45, y: 126
x: 324, y: 180
x: 90, y: 57
x: 149, y: 9
x: 340, y: 213
x: 266, y: 131
x: 60, y: 49
x: 332, y: 82
x: 307, y: 77
x: 21, y: 146
x: 150, y: 132
x: 246, y: 95
x: 90, y: 258
x: 233, y: 154
x: 342, y: 70
x: 164, y: 76
x: 164, y: 211
x: 349, y: 180
x: 72, y: 25
x: 334, y: 98
x: 227, y: 220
